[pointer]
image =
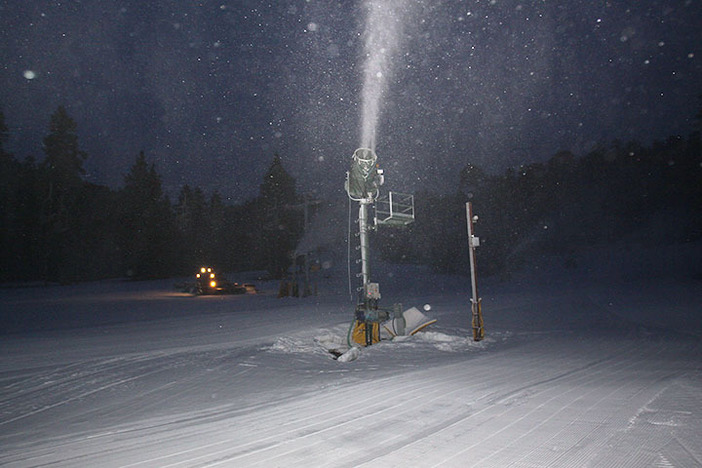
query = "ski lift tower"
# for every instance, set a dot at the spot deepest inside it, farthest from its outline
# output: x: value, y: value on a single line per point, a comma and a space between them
x: 363, y: 183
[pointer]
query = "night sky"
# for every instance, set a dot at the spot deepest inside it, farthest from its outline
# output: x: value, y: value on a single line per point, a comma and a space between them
x: 212, y: 90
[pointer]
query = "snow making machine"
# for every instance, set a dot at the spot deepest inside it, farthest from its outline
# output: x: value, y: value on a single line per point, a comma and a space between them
x: 371, y: 322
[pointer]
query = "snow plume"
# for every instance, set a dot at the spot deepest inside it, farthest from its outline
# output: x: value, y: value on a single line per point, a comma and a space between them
x: 383, y: 38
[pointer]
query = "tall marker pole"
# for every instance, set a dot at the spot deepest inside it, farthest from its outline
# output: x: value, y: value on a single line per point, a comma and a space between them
x: 473, y: 242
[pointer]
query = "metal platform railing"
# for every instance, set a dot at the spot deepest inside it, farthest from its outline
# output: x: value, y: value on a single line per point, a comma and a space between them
x: 394, y: 209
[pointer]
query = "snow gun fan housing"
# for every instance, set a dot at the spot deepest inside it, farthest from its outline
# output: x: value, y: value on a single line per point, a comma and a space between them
x: 364, y: 178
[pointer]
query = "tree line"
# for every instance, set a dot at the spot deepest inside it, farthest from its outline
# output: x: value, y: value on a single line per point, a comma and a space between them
x: 57, y: 227
x: 618, y: 193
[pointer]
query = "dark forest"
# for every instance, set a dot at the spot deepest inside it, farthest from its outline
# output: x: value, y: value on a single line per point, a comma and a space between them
x: 57, y: 227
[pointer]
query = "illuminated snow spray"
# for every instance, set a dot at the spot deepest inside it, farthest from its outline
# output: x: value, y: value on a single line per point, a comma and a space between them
x: 371, y: 322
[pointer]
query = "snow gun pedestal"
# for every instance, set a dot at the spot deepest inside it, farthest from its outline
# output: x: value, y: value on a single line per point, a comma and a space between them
x: 372, y: 326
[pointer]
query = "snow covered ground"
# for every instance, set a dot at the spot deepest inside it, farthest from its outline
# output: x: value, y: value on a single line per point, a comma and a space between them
x: 597, y: 366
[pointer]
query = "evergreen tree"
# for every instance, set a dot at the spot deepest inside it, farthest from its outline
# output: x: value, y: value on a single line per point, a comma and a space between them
x: 97, y: 229
x: 280, y: 222
x: 193, y: 228
x: 147, y: 238
x: 27, y: 251
x: 278, y: 187
x: 3, y: 135
x: 61, y: 181
x: 64, y: 159
x: 9, y: 170
x: 217, y: 242
x: 19, y: 214
x: 243, y: 237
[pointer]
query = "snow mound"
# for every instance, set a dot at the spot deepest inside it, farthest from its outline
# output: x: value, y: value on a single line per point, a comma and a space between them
x: 443, y: 341
x: 322, y: 341
x: 331, y: 343
x: 350, y: 355
x: 291, y: 345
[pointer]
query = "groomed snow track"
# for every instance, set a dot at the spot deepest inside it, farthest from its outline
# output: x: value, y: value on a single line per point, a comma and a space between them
x: 564, y: 378
x: 558, y: 400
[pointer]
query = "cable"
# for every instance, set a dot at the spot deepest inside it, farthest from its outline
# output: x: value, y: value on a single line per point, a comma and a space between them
x: 348, y: 334
x: 348, y: 252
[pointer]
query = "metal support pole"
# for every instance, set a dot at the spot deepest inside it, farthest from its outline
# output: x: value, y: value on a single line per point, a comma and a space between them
x: 363, y: 235
x: 369, y: 305
x: 476, y: 313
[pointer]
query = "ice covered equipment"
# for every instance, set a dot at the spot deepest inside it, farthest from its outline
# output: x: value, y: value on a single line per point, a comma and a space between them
x: 411, y: 322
